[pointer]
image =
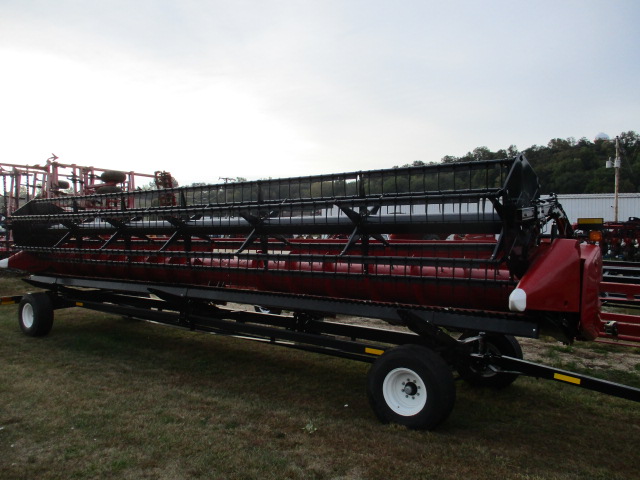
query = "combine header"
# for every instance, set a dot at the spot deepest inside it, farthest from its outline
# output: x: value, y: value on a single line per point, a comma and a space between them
x: 464, y: 255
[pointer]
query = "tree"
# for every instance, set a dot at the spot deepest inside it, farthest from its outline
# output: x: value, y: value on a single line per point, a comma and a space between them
x: 567, y: 165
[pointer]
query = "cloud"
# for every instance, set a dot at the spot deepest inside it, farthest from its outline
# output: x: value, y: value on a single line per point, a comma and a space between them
x: 280, y: 88
x: 106, y: 118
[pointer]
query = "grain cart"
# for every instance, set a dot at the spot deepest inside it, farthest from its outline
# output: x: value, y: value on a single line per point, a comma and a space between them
x: 323, y: 247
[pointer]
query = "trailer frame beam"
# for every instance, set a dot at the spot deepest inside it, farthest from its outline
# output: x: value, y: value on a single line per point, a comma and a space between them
x: 450, y: 318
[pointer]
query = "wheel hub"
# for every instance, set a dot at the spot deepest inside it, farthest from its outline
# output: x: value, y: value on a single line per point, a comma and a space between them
x: 410, y: 388
x: 404, y: 391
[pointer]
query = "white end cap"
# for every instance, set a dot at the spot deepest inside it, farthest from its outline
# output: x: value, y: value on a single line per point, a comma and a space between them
x: 4, y: 263
x: 518, y: 300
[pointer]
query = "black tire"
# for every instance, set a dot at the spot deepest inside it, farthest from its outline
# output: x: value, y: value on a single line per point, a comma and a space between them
x: 35, y: 314
x: 113, y: 176
x: 108, y: 189
x: 411, y: 385
x: 479, y: 375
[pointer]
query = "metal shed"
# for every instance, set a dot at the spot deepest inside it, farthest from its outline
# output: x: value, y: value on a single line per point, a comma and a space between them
x: 600, y: 205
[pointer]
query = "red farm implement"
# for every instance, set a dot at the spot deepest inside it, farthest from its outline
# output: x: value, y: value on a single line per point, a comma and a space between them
x: 619, y: 241
x: 620, y: 289
x: 620, y: 292
x: 23, y: 183
x: 456, y: 253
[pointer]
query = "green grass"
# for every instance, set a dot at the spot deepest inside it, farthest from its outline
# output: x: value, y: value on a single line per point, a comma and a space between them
x: 110, y: 398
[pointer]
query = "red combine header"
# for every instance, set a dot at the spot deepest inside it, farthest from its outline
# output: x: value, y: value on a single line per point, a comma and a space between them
x: 359, y: 243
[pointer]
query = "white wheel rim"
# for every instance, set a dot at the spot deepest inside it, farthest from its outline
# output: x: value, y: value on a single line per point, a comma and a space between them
x: 404, y: 391
x: 27, y: 315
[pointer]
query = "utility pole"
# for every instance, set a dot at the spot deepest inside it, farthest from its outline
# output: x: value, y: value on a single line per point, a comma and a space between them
x: 616, y: 165
x: 617, y: 183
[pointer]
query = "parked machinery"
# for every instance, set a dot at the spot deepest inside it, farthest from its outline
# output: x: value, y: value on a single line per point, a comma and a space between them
x: 23, y: 183
x: 340, y: 244
x: 619, y: 241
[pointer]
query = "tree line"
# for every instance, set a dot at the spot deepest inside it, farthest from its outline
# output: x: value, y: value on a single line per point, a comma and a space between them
x: 573, y: 166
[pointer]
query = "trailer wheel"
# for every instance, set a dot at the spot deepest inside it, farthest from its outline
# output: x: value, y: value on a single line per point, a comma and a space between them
x: 480, y: 375
x: 35, y: 314
x: 411, y: 385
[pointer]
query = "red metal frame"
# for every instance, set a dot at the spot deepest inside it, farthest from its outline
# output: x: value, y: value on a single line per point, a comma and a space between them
x: 23, y: 183
x: 627, y: 326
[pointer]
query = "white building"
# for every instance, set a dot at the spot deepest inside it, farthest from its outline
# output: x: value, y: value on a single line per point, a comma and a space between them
x: 600, y: 205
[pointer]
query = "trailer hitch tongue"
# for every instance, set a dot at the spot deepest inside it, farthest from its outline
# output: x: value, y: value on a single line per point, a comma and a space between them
x: 482, y: 362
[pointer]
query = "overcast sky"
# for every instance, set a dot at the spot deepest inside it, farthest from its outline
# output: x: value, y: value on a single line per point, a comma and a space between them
x: 261, y: 88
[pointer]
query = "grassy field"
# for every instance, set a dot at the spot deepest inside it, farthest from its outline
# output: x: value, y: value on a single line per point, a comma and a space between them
x: 111, y: 398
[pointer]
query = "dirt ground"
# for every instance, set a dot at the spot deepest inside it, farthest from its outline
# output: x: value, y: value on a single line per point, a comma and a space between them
x: 623, y: 358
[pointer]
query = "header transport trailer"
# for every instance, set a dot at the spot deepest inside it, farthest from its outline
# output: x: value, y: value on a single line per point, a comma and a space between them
x: 465, y: 256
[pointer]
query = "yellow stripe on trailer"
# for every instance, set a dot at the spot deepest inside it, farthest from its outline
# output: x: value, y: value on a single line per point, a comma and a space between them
x: 567, y: 378
x: 10, y: 300
x: 373, y: 351
x: 79, y: 304
x: 590, y: 221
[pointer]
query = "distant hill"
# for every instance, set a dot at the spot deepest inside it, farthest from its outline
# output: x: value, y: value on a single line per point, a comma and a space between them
x: 574, y: 166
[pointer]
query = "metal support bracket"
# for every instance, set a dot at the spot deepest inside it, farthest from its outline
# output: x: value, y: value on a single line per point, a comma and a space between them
x: 433, y: 334
x: 359, y: 232
x: 259, y: 231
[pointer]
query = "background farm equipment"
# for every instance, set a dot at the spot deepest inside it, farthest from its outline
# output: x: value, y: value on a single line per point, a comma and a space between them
x: 23, y: 183
x: 500, y: 262
x: 618, y: 240
x: 620, y: 287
